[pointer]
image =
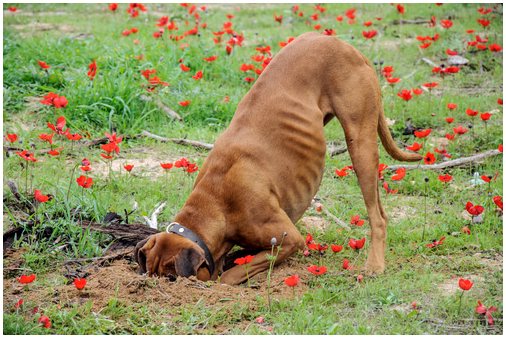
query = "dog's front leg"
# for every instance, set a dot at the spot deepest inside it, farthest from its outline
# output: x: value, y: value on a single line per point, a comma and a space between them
x: 292, y: 242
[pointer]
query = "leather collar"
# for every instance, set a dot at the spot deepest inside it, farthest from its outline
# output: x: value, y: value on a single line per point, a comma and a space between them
x: 178, y: 229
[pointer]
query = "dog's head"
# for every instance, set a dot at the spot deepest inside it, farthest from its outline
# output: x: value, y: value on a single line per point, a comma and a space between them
x: 171, y: 255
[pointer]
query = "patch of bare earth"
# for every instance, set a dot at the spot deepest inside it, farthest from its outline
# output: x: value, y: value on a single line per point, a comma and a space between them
x: 120, y: 280
x: 148, y: 166
x: 36, y: 27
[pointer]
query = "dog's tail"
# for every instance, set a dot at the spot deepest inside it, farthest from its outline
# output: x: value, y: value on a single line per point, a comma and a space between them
x: 389, y: 143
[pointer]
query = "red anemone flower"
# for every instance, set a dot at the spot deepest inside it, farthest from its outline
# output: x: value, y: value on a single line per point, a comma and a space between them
x: 422, y: 133
x: 72, y: 137
x: 436, y: 243
x: 355, y: 220
x: 474, y: 210
x: 415, y: 147
x: 486, y: 178
x: 47, y: 137
x: 336, y: 248
x: 41, y: 198
x: 388, y: 189
x: 399, y: 174
x: 446, y: 178
x: 449, y: 119
x: 317, y: 270
x: 451, y: 106
x: 84, y: 181
x: 80, y: 283
x: 244, y: 260
x: 495, y: 48
x: 184, y: 103
x: 11, y: 137
x: 356, y: 244
x: 482, y: 310
x: 341, y: 172
x: 460, y: 130
x: 60, y: 124
x: 292, y: 281
x: 498, y: 201
x: 446, y: 23
x: 369, y: 34
x: 128, y: 167
x: 197, y: 75
x: 485, y: 116
x: 471, y: 112
x: 92, y: 70
x: 166, y: 166
x: 43, y: 65
x: 430, y: 85
x: 24, y: 279
x: 429, y: 158
x: 113, y: 7
x: 211, y: 58
x: 27, y: 156
x: 451, y: 52
x: 346, y: 264
x: 393, y: 80
x: 405, y: 94
x: 317, y: 247
x: 45, y: 321
x: 465, y: 284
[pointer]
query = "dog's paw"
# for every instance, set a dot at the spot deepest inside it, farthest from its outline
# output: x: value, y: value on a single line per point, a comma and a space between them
x: 374, y: 268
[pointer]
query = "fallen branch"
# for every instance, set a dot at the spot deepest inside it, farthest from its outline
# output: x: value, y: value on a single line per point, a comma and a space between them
x: 195, y: 144
x: 429, y: 62
x: 448, y: 164
x: 125, y: 235
x: 410, y: 22
x: 335, y: 219
x: 170, y: 113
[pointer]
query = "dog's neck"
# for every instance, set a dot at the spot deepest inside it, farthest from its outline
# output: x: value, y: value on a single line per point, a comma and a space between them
x: 210, y: 227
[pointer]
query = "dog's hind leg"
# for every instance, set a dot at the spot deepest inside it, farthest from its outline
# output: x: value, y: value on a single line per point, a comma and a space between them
x: 364, y: 156
x: 363, y: 150
x: 262, y: 235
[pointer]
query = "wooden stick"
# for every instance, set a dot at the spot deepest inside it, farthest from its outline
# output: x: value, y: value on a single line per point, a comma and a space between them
x: 408, y: 22
x: 195, y: 144
x: 170, y: 113
x: 448, y: 164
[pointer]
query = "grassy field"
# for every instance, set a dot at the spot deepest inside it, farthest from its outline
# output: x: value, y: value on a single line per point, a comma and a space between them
x: 419, y: 292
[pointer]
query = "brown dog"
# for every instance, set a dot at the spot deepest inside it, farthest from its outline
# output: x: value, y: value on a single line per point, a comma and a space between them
x: 267, y: 166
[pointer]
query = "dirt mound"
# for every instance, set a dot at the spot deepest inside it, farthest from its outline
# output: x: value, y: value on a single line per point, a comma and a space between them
x: 120, y: 280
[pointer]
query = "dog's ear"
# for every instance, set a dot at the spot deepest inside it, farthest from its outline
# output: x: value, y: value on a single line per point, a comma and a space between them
x: 140, y: 255
x: 188, y: 261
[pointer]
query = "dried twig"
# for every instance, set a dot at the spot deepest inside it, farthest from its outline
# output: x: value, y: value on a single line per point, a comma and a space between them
x: 410, y: 22
x: 429, y: 62
x: 448, y: 164
x: 170, y: 113
x: 196, y: 144
x: 337, y: 220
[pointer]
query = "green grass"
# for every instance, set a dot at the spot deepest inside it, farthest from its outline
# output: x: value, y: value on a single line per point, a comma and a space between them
x: 331, y: 304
